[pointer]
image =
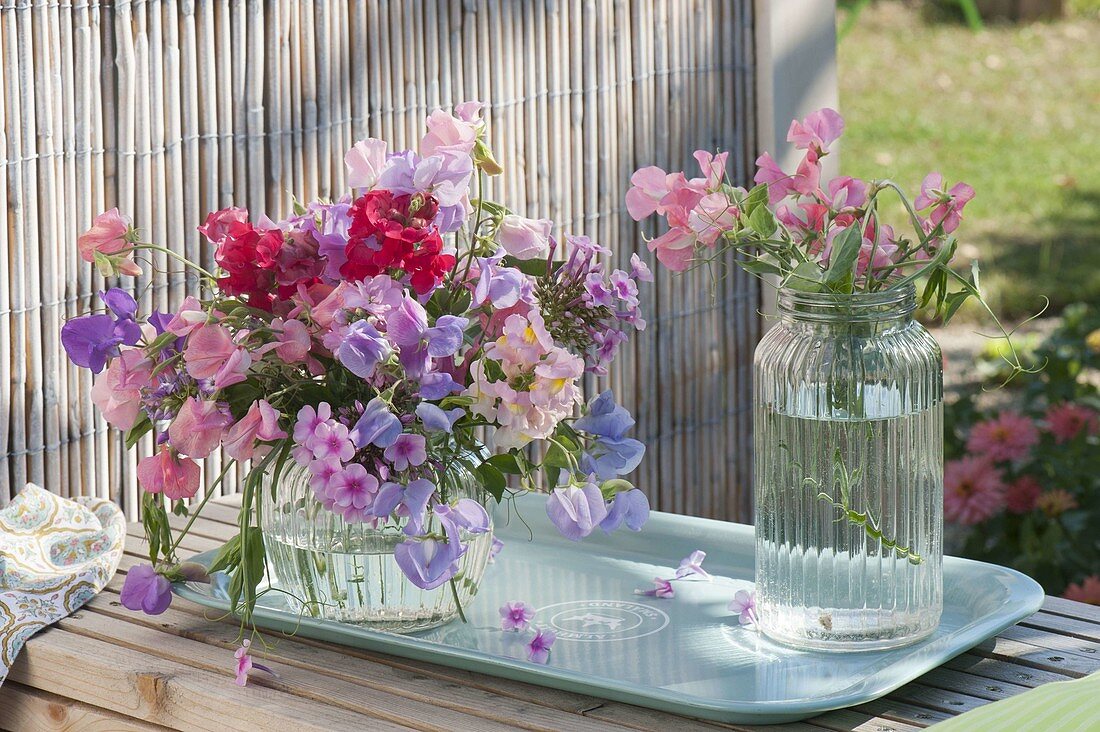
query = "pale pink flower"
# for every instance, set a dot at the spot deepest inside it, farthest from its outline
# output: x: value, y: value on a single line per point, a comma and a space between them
x: 330, y: 440
x: 692, y: 564
x: 405, y: 451
x: 117, y: 391
x: 538, y: 650
x: 212, y: 354
x: 261, y: 423
x: 292, y: 343
x: 189, y: 317
x: 1008, y: 437
x: 244, y: 663
x: 818, y: 131
x: 110, y: 235
x: 662, y: 589
x: 1065, y: 421
x: 516, y: 616
x: 648, y: 186
x: 973, y: 490
x: 847, y: 192
x: 525, y: 238
x: 167, y: 472
x: 744, y: 604
x: 448, y: 134
x: 713, y: 216
x: 778, y: 182
x: 198, y: 427
x: 364, y: 162
x: 948, y: 203
x: 1087, y: 591
x: 713, y: 167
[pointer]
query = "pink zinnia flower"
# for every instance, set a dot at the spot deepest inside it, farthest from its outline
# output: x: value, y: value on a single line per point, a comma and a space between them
x: 1009, y: 437
x: 516, y: 616
x: 972, y: 490
x: 1088, y: 591
x: 1023, y: 494
x: 538, y: 650
x: 1067, y: 420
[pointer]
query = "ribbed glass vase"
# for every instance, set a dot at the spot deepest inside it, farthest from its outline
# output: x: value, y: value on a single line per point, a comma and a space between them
x: 346, y: 572
x: 848, y: 416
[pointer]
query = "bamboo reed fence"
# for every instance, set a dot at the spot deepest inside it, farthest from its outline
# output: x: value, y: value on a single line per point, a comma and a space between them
x: 172, y: 108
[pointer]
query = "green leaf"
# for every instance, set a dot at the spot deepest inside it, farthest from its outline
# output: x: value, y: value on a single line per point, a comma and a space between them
x: 138, y: 430
x: 757, y: 197
x: 505, y: 463
x: 532, y: 267
x: 953, y: 302
x: 228, y: 557
x: 762, y: 221
x: 845, y: 252
x: 493, y: 370
x: 756, y: 267
x: 493, y: 480
x: 806, y: 277
x: 557, y: 458
x: 161, y: 342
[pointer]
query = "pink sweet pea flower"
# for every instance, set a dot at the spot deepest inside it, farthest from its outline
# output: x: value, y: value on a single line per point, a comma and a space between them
x: 168, y: 473
x: 650, y: 188
x: 713, y: 216
x: 189, y: 317
x: 292, y: 341
x: 516, y: 616
x: 538, y: 650
x: 211, y: 353
x: 817, y: 132
x: 364, y: 162
x: 713, y: 168
x: 117, y: 391
x: 744, y: 604
x: 948, y: 203
x: 261, y: 423
x: 198, y: 427
x: 111, y: 236
x: 846, y: 192
x: 525, y: 238
x: 807, y: 176
x: 244, y: 663
x: 448, y: 134
x: 769, y: 173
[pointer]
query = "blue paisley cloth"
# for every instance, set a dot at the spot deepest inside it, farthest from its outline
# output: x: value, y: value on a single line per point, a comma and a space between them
x: 55, y: 555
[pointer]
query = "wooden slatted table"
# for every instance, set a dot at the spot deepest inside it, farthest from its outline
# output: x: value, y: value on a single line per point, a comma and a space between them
x: 107, y: 668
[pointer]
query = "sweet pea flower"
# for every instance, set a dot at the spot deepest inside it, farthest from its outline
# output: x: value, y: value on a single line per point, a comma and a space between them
x: 630, y: 507
x: 445, y: 176
x: 410, y: 501
x: 948, y: 203
x: 768, y: 172
x: 466, y: 513
x: 713, y: 167
x: 693, y: 565
x: 494, y: 548
x: 516, y: 616
x: 407, y: 450
x: 449, y: 134
x: 212, y: 354
x: 377, y: 426
x: 817, y: 132
x: 292, y: 343
x: 364, y: 163
x: 435, y: 419
x: 428, y: 563
x: 189, y: 317
x: 744, y: 604
x: 117, y: 391
x: 538, y: 650
x: 662, y: 588
x: 362, y: 349
x: 198, y: 427
x: 525, y: 238
x: 605, y: 417
x: 244, y: 663
x: 261, y: 423
x: 847, y: 192
x: 110, y: 240
x: 712, y: 217
x: 501, y: 286
x: 407, y: 326
x: 91, y: 340
x: 576, y: 511
x: 169, y: 473
x: 437, y: 384
x: 145, y: 590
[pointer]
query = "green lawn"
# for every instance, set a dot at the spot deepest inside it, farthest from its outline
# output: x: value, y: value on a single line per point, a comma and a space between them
x: 1014, y: 110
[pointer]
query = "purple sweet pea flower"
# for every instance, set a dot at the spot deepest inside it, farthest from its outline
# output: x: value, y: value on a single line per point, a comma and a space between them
x: 538, y: 650
x: 576, y: 511
x: 363, y: 349
x: 466, y: 514
x: 494, y: 548
x: 242, y: 660
x: 445, y: 176
x: 428, y: 563
x: 630, y: 507
x: 516, y: 616
x: 435, y: 419
x: 407, y: 326
x: 609, y: 458
x: 378, y: 426
x: 693, y: 564
x: 91, y: 340
x: 605, y: 418
x: 410, y: 501
x: 662, y: 589
x: 744, y: 604
x: 146, y: 590
x: 438, y: 384
x: 501, y: 286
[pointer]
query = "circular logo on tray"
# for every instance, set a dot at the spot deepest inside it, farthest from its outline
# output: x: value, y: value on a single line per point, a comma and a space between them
x: 602, y: 621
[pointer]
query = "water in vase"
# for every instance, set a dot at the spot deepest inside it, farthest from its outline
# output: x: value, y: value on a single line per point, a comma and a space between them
x: 848, y: 520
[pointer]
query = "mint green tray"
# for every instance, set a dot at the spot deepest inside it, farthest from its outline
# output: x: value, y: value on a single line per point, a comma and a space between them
x: 686, y: 655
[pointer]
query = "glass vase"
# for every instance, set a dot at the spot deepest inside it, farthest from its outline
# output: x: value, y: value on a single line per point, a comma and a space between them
x: 848, y: 417
x: 347, y: 572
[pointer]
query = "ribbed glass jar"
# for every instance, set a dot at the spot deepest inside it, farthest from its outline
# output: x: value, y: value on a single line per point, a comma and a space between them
x: 347, y: 572
x: 848, y: 417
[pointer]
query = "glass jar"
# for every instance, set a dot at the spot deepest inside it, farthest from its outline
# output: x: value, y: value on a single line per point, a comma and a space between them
x: 848, y: 419
x: 347, y: 572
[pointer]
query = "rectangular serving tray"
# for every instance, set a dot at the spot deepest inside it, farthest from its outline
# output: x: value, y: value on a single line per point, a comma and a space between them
x: 687, y: 655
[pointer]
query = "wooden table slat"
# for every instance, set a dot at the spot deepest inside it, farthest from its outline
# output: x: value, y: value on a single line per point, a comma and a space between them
x: 25, y: 708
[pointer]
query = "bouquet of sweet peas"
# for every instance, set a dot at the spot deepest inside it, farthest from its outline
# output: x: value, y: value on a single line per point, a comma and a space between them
x: 374, y: 341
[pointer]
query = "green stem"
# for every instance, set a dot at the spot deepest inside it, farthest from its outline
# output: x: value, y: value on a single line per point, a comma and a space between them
x: 178, y: 257
x: 198, y: 509
x: 458, y: 603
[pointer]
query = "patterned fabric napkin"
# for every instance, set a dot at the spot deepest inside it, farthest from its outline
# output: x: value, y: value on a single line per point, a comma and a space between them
x: 55, y: 555
x: 1066, y: 706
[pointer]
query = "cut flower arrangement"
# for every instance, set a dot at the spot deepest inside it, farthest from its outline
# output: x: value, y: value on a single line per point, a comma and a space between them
x: 380, y: 363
